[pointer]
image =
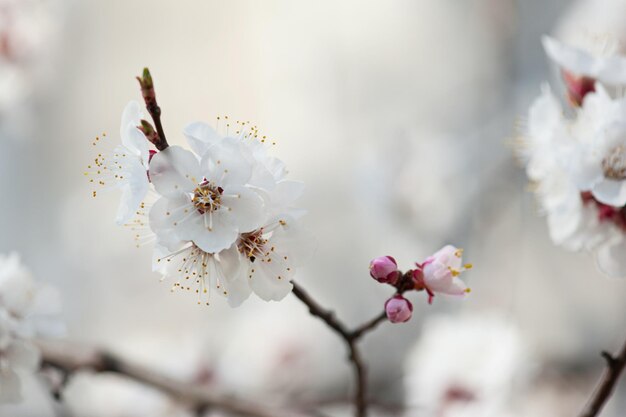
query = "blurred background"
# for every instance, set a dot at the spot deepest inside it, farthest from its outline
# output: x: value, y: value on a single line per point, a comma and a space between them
x: 400, y: 118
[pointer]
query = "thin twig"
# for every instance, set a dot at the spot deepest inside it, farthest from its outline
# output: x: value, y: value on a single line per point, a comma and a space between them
x: 614, y: 367
x: 149, y: 97
x: 70, y: 358
x: 367, y: 327
x: 350, y: 338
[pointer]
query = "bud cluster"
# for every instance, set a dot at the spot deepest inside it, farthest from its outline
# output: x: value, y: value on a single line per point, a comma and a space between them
x: 439, y: 273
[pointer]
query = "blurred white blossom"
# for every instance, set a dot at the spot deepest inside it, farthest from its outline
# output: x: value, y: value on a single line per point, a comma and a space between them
x: 29, y: 31
x: 464, y: 366
x: 110, y: 395
x: 578, y: 170
x: 281, y: 355
x: 27, y: 309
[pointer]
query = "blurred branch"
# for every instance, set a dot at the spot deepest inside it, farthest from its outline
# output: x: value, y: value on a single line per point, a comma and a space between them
x: 149, y: 97
x: 350, y: 337
x: 71, y: 358
x: 614, y: 367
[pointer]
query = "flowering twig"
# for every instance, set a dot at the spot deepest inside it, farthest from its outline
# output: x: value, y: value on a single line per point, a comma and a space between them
x: 614, y: 367
x: 149, y: 97
x: 69, y: 359
x: 350, y: 337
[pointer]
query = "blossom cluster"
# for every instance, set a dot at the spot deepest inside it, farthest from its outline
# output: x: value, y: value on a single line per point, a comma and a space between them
x: 27, y: 310
x: 439, y: 273
x: 577, y: 162
x: 223, y: 215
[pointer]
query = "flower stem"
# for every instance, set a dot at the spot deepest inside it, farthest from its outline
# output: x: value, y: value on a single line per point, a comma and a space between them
x: 350, y: 338
x: 614, y: 368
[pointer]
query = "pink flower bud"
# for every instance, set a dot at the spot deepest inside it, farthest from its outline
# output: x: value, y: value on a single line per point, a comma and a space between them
x: 384, y: 269
x: 398, y: 309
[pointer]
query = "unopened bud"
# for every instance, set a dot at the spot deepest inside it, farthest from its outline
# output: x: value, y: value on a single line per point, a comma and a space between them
x: 398, y: 309
x: 384, y: 269
x: 147, y: 129
x: 147, y: 87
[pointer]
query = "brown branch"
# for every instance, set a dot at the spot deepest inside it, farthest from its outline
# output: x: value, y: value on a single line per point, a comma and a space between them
x: 350, y: 338
x: 69, y: 359
x: 149, y: 97
x: 370, y: 325
x: 614, y: 367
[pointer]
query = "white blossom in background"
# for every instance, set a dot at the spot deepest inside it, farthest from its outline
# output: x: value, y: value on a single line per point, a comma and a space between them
x: 109, y: 395
x: 280, y: 356
x: 467, y: 366
x: 29, y: 31
x: 27, y: 310
x: 577, y: 166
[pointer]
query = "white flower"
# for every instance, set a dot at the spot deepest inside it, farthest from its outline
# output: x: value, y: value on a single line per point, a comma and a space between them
x: 126, y: 166
x: 25, y: 309
x: 464, y: 366
x: 565, y: 161
x: 600, y: 60
x: 262, y: 261
x: 206, y: 201
x: 266, y: 169
x: 598, y: 163
x: 193, y: 269
x: 271, y: 255
x: 269, y: 173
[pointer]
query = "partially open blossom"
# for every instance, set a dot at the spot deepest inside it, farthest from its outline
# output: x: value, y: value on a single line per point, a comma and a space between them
x: 398, y: 309
x: 384, y: 269
x: 440, y: 273
x: 124, y: 167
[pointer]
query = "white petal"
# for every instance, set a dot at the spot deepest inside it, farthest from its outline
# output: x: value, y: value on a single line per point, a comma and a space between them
x: 136, y: 141
x: 200, y: 137
x: 270, y: 276
x: 233, y: 270
x: 218, y: 232
x: 175, y: 170
x: 10, y: 386
x: 245, y: 206
x: 183, y: 219
x: 134, y: 190
x: 610, y: 192
x: 162, y: 223
x: 224, y: 164
x: 611, y: 260
x: 295, y: 241
x: 131, y: 116
x: 448, y: 256
x: 572, y: 59
x: 611, y: 70
x: 585, y: 168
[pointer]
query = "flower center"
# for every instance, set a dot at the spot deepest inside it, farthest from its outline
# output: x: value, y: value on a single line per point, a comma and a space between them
x: 252, y: 244
x: 614, y: 165
x: 207, y: 198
